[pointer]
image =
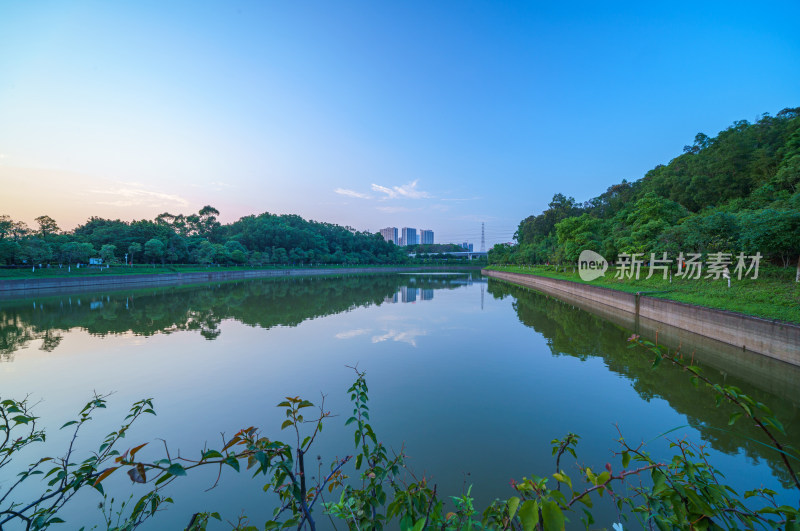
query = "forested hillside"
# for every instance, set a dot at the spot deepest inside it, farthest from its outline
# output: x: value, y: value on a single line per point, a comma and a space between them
x: 736, y: 192
x: 194, y: 239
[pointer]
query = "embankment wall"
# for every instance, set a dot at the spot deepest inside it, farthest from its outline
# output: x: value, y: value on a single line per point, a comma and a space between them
x: 773, y: 338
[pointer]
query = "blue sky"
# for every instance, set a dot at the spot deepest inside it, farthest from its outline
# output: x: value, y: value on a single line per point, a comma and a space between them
x: 429, y: 114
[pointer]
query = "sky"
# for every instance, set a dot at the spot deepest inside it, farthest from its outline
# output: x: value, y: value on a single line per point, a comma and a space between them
x: 429, y: 114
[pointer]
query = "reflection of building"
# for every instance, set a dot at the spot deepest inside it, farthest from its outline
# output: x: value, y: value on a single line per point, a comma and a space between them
x: 427, y: 294
x: 425, y: 236
x: 391, y: 298
x: 390, y: 235
x: 408, y: 294
x: 408, y: 236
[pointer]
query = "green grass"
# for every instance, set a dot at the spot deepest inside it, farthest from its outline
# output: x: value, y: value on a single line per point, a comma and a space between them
x: 773, y: 295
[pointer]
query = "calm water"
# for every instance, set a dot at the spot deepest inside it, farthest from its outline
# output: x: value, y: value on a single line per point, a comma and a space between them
x: 475, y: 378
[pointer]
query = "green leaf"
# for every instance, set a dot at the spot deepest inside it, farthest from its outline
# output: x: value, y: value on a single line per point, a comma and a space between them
x: 775, y: 423
x: 176, y: 469
x: 659, y: 481
x: 420, y: 524
x: 286, y: 424
x: 552, y: 516
x: 734, y: 417
x: 563, y: 478
x: 70, y: 423
x: 232, y: 462
x: 626, y: 459
x: 211, y: 454
x: 513, y: 504
x: 529, y: 515
x: 586, y: 500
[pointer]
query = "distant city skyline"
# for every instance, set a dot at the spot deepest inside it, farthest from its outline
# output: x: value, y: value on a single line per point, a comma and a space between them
x: 408, y: 236
x: 369, y: 115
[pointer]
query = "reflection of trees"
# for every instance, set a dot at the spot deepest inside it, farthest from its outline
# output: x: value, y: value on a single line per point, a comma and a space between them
x: 201, y: 308
x: 570, y: 331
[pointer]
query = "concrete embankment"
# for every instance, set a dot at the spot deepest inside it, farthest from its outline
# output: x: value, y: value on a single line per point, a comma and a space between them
x: 23, y: 286
x: 776, y: 339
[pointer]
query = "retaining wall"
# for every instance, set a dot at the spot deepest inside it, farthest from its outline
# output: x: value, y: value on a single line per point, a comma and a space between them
x: 769, y: 337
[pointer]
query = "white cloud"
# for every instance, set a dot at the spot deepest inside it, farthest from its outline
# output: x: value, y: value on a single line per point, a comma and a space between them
x: 392, y: 210
x: 406, y: 191
x: 134, y: 196
x: 391, y: 194
x: 409, y: 337
x: 476, y: 198
x: 352, y: 333
x: 410, y: 190
x: 352, y: 193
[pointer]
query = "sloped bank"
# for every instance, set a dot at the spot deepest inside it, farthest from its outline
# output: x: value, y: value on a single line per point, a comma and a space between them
x: 37, y: 285
x: 776, y: 339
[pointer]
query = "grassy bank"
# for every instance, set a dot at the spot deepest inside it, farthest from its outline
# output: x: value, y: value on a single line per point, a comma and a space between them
x: 773, y: 295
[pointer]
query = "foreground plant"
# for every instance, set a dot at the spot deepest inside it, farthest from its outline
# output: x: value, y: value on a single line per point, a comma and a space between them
x: 683, y: 492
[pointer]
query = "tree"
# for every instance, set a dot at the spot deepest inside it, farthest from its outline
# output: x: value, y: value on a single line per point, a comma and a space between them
x: 6, y: 225
x: 47, y: 226
x: 107, y: 253
x: 36, y: 251
x: 154, y: 250
x: 76, y: 252
x: 773, y: 233
x: 134, y: 249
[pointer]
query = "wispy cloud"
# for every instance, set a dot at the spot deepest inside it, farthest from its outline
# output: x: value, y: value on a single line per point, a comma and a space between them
x: 409, y: 337
x: 352, y: 193
x: 476, y: 198
x: 406, y: 191
x: 347, y: 334
x: 130, y: 195
x: 390, y: 194
x: 392, y: 209
x: 214, y: 185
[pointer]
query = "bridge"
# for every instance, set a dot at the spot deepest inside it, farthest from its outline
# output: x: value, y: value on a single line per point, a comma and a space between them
x: 469, y: 255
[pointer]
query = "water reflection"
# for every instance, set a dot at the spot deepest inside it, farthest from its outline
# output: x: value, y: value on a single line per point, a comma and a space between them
x: 456, y: 381
x: 571, y: 331
x: 201, y: 308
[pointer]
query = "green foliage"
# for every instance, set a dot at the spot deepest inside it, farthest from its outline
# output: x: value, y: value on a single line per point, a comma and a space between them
x: 738, y: 191
x: 197, y: 239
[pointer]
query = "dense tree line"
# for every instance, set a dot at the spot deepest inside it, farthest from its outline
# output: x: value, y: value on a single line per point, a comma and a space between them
x: 194, y: 239
x: 736, y: 192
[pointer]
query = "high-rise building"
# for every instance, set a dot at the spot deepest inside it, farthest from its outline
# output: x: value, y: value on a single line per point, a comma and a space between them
x: 425, y: 236
x: 390, y: 235
x: 467, y: 246
x: 408, y: 236
x: 408, y: 294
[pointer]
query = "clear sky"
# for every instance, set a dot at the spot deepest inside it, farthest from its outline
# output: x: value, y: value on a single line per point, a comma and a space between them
x: 430, y: 114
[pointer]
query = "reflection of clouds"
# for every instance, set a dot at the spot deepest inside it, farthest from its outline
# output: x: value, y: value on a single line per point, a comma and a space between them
x: 347, y: 334
x: 409, y: 336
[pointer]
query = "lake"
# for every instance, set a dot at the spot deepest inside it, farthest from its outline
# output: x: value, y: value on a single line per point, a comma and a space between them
x: 475, y: 378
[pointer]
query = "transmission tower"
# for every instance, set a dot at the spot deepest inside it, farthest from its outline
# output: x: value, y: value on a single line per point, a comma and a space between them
x: 483, y: 239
